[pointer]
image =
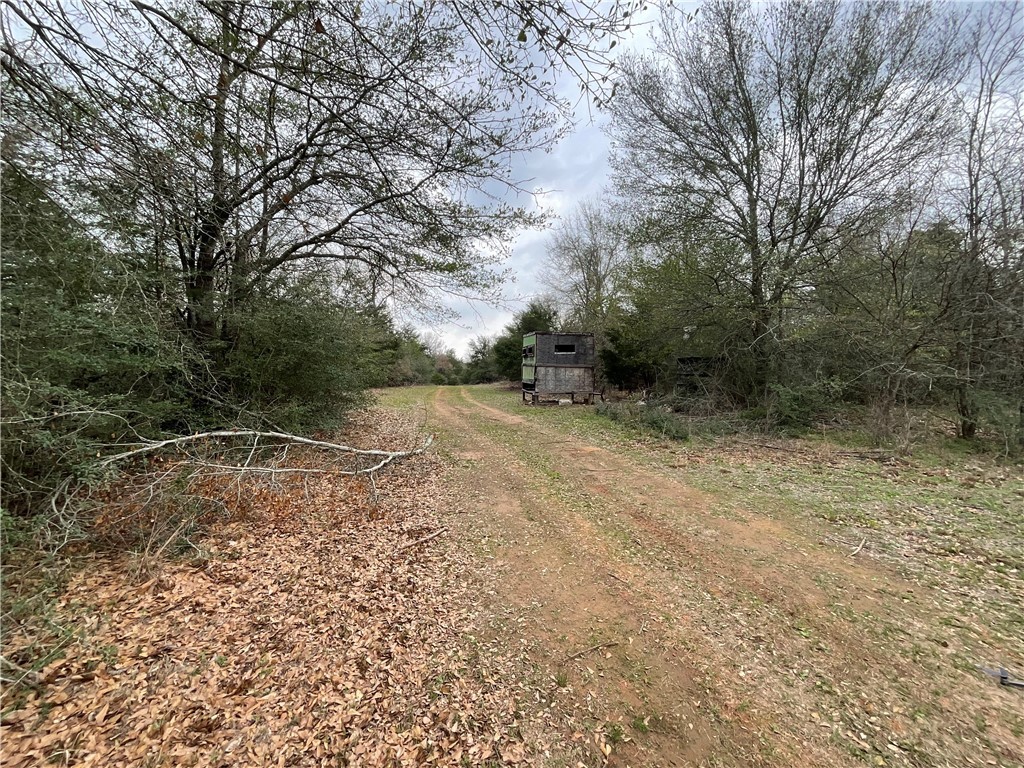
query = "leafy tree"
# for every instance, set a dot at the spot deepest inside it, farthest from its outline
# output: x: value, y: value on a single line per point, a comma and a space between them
x: 306, y: 352
x: 673, y: 306
x: 482, y: 366
x: 411, y: 362
x: 261, y: 137
x: 540, y: 316
x: 630, y: 359
x: 231, y: 146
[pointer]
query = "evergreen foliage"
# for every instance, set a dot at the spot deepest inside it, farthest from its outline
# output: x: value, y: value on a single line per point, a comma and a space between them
x: 540, y: 316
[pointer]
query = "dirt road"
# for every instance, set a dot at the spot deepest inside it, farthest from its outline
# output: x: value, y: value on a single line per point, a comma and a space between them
x: 543, y: 588
x: 688, y: 632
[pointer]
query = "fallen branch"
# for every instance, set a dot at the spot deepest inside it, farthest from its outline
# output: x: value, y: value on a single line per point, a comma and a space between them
x: 424, y: 540
x: 26, y: 675
x: 874, y: 454
x: 68, y: 500
x: 879, y: 454
x: 234, y: 468
x: 591, y: 649
x: 155, y: 445
x: 770, y: 446
x: 846, y: 543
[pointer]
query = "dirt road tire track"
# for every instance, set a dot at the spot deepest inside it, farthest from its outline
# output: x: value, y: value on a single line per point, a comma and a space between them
x: 579, y: 592
x: 744, y: 638
x: 559, y: 569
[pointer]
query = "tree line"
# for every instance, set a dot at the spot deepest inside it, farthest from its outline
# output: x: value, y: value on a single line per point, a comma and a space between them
x: 213, y: 210
x: 820, y: 201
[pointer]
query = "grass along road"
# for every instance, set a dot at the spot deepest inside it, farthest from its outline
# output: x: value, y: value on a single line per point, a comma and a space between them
x: 713, y: 593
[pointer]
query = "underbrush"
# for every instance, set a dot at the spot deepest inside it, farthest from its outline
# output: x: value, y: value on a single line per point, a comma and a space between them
x: 922, y: 431
x: 32, y: 634
x: 155, y: 511
x: 648, y: 420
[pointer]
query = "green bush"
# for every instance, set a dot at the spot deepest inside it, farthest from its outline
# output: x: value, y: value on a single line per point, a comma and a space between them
x: 87, y: 358
x: 302, y: 359
x: 798, y: 407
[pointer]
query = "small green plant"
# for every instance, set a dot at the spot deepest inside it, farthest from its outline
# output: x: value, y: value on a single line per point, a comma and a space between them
x: 615, y: 733
x: 641, y: 724
x: 561, y: 678
x: 109, y: 654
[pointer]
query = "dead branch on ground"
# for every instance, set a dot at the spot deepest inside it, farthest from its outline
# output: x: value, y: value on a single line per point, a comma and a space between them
x: 148, y: 505
x: 591, y: 649
x: 149, y: 446
x: 424, y: 540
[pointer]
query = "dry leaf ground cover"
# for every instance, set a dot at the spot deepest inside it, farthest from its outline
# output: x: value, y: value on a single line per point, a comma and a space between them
x: 597, y: 598
x: 782, y: 605
x: 298, y: 631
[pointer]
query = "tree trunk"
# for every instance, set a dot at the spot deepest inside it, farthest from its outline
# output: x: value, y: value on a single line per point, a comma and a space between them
x: 202, y: 319
x: 201, y: 285
x: 966, y: 411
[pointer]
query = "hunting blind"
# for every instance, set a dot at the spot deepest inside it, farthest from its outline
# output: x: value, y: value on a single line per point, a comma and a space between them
x: 558, y: 365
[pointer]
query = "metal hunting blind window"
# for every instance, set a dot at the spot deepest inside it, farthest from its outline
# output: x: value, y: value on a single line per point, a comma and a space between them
x: 565, y: 349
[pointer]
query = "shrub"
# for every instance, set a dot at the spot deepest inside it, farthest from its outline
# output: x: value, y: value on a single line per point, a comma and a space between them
x: 652, y: 419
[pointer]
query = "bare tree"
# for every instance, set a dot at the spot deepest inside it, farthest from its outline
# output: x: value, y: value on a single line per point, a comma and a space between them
x: 585, y: 259
x: 781, y: 130
x: 985, y: 295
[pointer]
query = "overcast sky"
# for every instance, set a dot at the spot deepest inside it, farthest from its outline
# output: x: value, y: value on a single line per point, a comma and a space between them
x: 576, y: 168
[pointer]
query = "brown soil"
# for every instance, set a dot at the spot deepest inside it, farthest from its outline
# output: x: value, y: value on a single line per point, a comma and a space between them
x: 523, y: 596
x: 732, y: 638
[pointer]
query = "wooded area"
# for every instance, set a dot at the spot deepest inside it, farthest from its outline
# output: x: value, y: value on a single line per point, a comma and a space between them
x: 824, y: 200
x: 211, y: 211
x: 222, y: 223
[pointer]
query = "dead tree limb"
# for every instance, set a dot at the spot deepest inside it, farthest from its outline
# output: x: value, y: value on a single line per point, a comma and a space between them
x: 424, y: 540
x: 769, y: 446
x: 591, y: 649
x: 155, y: 445
x: 68, y: 501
